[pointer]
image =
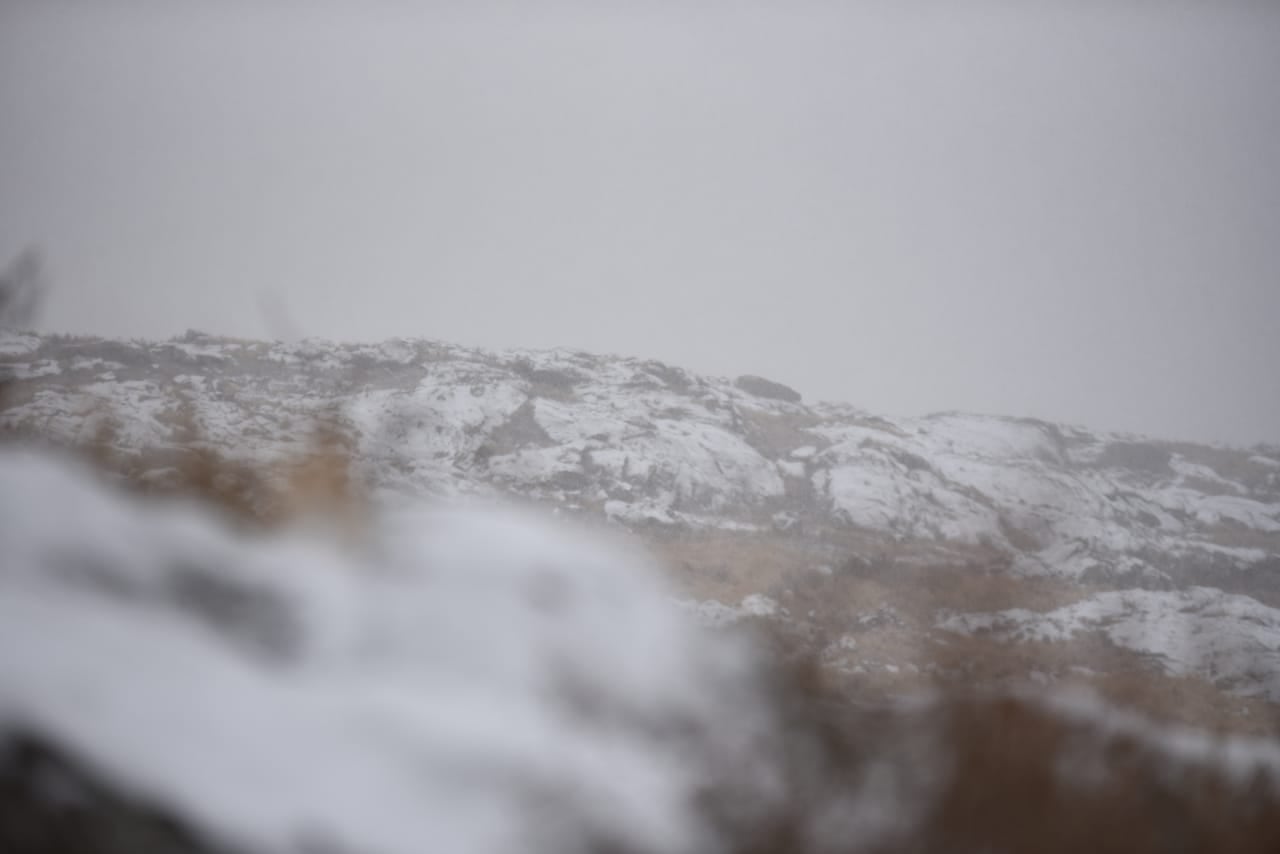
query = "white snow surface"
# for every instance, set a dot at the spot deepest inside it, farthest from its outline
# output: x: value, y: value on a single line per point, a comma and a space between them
x: 436, y: 687
x: 715, y: 614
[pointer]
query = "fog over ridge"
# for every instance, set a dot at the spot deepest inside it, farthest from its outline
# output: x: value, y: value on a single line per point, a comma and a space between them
x: 1060, y: 211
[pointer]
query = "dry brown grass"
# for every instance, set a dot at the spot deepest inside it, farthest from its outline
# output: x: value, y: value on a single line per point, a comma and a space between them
x: 727, y: 566
x: 884, y: 611
x: 1026, y: 779
x: 966, y: 661
x: 319, y: 481
x: 978, y: 771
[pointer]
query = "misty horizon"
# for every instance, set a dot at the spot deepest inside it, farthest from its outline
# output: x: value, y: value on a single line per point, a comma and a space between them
x: 1060, y: 213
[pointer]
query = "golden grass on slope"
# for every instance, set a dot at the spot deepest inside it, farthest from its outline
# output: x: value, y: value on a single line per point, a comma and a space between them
x: 977, y: 771
x: 318, y: 481
x: 1026, y: 779
x: 871, y: 624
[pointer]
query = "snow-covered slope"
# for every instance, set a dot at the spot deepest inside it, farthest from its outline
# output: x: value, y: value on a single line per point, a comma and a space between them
x: 646, y: 443
x: 1232, y: 640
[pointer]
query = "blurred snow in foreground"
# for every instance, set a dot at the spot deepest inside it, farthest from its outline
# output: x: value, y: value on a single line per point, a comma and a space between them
x: 460, y: 682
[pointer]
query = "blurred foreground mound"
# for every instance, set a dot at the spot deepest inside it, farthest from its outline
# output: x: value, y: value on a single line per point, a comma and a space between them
x: 484, y: 682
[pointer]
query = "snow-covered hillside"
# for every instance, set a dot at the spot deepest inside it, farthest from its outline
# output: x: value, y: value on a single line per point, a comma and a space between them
x: 487, y: 682
x: 652, y: 445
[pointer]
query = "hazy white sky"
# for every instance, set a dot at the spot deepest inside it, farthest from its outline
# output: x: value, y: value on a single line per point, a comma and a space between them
x: 1067, y: 210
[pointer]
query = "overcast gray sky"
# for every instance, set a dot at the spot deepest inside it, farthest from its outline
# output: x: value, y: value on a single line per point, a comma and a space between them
x: 1067, y: 210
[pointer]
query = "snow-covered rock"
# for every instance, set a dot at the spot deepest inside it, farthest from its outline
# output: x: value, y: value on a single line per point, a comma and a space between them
x: 644, y: 443
x: 1234, y: 641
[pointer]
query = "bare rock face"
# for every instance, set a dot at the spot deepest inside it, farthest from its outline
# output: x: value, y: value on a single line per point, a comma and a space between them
x: 52, y: 804
x: 761, y: 387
